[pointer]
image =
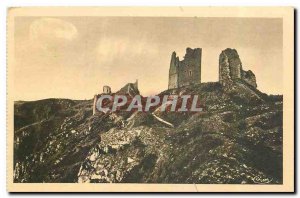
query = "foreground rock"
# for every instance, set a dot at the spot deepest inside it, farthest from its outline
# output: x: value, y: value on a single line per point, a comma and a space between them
x: 236, y: 139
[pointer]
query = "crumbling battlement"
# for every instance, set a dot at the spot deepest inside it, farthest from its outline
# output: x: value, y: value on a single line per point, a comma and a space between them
x: 187, y: 71
x: 230, y: 69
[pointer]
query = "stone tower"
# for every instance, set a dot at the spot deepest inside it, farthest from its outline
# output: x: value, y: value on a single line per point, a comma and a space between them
x: 230, y: 69
x: 187, y: 71
x: 106, y: 91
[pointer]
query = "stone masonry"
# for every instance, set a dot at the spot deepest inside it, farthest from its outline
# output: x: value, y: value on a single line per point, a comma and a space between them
x: 230, y: 69
x: 187, y: 71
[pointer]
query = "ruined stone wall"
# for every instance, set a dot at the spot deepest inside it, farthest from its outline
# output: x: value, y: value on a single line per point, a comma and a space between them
x: 190, y: 68
x: 230, y: 69
x: 224, y: 70
x: 230, y: 66
x: 187, y: 71
x: 94, y: 104
x: 173, y: 72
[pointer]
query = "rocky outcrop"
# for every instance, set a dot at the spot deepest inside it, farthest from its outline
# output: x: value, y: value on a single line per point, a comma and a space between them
x: 249, y: 78
x: 230, y: 69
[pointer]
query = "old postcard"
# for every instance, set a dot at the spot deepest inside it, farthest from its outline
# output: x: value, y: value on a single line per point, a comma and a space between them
x: 150, y: 99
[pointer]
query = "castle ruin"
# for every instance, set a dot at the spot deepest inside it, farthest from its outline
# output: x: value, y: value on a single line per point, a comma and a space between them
x: 230, y: 69
x: 130, y: 89
x: 187, y: 71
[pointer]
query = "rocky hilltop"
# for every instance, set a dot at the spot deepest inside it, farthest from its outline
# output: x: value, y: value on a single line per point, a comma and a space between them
x: 236, y: 139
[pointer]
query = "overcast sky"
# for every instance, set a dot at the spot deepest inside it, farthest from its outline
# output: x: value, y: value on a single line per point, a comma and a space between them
x: 73, y: 57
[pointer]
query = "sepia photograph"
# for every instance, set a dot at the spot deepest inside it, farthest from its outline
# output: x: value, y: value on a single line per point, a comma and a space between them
x: 128, y: 99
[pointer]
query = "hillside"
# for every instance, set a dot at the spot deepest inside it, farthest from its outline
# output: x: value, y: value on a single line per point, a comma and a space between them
x: 236, y: 139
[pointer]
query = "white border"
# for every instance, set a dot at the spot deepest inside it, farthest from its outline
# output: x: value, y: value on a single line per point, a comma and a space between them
x: 16, y: 3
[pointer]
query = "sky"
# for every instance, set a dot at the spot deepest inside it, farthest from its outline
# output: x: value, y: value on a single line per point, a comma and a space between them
x: 74, y: 57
